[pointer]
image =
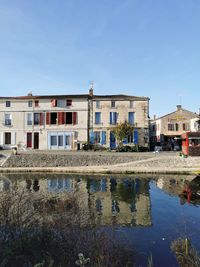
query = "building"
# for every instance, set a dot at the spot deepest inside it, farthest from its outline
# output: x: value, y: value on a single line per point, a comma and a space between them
x: 109, y: 110
x: 44, y: 122
x: 69, y: 121
x: 166, y: 131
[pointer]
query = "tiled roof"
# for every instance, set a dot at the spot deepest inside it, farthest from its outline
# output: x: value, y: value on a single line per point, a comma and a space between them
x: 102, y: 97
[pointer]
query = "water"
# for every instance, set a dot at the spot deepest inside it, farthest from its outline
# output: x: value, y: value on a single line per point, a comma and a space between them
x: 146, y: 213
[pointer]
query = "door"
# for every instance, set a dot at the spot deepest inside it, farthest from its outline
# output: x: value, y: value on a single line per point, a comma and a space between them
x: 29, y: 140
x: 68, y: 141
x: 112, y: 141
x: 36, y: 140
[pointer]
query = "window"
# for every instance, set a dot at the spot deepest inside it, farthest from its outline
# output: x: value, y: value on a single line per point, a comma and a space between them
x: 68, y: 117
x: 97, y: 137
x: 131, y: 104
x: 130, y: 138
x: 7, y: 138
x: 8, y: 119
x: 36, y: 118
x: 186, y: 127
x: 60, y: 140
x: 97, y: 117
x: 131, y: 117
x: 69, y: 103
x: 113, y: 117
x: 8, y: 104
x: 112, y: 104
x: 177, y: 126
x: 36, y: 103
x: 29, y: 119
x: 53, y: 118
x: 97, y: 104
x: 54, y: 102
x: 30, y: 104
x: 170, y: 127
x: 53, y: 140
x: 67, y: 140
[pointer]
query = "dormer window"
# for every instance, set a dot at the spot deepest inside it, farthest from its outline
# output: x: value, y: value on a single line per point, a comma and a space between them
x: 54, y: 102
x: 131, y: 104
x: 112, y: 104
x: 69, y: 103
x: 36, y: 103
x: 8, y: 104
x: 30, y: 103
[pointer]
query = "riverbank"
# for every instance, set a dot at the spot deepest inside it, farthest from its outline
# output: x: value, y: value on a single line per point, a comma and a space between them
x: 98, y: 162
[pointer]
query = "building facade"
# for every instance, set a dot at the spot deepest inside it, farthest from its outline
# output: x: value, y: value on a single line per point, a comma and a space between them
x: 44, y: 122
x: 109, y: 110
x: 69, y: 121
x: 166, y: 131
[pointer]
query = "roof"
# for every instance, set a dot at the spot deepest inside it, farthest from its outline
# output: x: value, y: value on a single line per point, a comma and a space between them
x: 120, y: 97
x: 44, y: 96
x: 192, y: 113
x: 102, y: 97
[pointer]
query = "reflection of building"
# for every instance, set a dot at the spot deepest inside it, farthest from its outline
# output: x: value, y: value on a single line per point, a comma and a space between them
x: 167, y: 130
x: 105, y: 201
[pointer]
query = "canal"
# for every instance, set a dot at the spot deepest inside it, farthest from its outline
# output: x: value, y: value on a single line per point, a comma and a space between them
x: 142, y: 214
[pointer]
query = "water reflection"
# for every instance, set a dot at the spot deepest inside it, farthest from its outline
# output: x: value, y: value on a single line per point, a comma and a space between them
x: 109, y: 200
x: 191, y: 192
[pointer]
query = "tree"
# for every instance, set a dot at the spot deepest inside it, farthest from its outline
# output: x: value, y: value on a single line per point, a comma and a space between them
x: 122, y: 130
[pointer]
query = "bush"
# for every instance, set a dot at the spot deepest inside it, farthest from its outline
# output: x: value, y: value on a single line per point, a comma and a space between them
x: 135, y: 148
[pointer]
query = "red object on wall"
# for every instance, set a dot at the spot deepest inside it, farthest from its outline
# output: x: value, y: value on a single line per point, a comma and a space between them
x: 48, y: 118
x: 74, y: 117
x: 191, y: 143
x: 61, y: 118
x: 41, y: 118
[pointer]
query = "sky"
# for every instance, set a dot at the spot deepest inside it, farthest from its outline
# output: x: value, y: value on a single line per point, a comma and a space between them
x: 136, y: 47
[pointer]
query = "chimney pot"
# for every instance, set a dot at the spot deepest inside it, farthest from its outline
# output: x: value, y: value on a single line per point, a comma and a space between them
x: 178, y: 107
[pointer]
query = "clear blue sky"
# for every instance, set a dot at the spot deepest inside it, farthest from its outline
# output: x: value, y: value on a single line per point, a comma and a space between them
x: 137, y: 47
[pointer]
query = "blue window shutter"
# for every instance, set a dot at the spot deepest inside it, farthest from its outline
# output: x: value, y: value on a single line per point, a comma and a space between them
x: 125, y: 141
x: 97, y: 117
x: 115, y: 117
x: 110, y: 117
x: 91, y: 137
x: 131, y: 117
x: 135, y: 137
x: 103, y: 138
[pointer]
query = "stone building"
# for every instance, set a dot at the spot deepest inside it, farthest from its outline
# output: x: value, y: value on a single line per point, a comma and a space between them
x: 109, y: 110
x: 69, y: 121
x: 166, y: 131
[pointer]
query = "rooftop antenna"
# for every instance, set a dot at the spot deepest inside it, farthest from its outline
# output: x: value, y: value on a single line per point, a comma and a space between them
x: 92, y: 85
x: 180, y: 99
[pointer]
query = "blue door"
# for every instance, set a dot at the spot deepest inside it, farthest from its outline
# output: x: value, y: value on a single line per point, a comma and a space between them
x: 112, y: 140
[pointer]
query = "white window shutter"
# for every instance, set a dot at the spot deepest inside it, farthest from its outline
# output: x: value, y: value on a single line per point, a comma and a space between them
x: 1, y: 138
x: 13, y: 138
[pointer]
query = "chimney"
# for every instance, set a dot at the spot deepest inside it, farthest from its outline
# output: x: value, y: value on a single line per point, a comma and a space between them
x: 91, y: 91
x: 154, y: 117
x: 178, y: 107
x: 30, y: 94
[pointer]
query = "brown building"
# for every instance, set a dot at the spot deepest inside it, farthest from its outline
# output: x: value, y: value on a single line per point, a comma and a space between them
x: 166, y: 131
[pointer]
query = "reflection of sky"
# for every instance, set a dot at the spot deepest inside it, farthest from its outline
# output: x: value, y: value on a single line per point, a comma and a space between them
x: 60, y: 184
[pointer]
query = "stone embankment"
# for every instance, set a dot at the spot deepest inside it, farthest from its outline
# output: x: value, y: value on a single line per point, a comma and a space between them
x: 60, y: 159
x: 95, y: 162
